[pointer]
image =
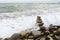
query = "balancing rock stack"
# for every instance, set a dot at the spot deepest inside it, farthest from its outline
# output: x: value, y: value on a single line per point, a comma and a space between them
x: 52, y: 33
x: 39, y: 21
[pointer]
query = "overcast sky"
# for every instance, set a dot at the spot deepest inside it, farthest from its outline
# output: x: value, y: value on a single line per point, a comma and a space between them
x: 29, y: 1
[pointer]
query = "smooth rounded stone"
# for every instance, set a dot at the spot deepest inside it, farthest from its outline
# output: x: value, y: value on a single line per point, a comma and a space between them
x: 42, y: 29
x: 51, y: 29
x: 47, y: 38
x: 58, y: 30
x: 14, y: 36
x: 31, y: 37
x: 57, y: 37
x: 51, y: 25
x: 43, y: 38
x: 58, y: 26
x: 38, y: 17
x: 39, y: 21
x: 23, y: 33
x: 50, y: 37
x: 40, y: 24
x: 6, y: 39
x: 55, y: 27
x: 46, y: 32
x: 54, y: 38
x: 34, y: 32
x: 55, y: 31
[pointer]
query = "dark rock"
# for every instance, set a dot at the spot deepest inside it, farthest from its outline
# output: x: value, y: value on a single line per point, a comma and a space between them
x: 42, y: 29
x: 46, y: 32
x: 54, y: 38
x: 6, y: 39
x: 39, y: 21
x: 14, y: 36
x: 47, y: 38
x: 40, y: 24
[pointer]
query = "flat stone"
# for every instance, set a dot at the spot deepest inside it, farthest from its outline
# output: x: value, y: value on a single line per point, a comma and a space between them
x: 36, y: 32
x: 24, y: 32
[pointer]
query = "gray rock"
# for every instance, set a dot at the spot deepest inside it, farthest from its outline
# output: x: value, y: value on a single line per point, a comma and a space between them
x: 0, y: 38
x: 14, y: 36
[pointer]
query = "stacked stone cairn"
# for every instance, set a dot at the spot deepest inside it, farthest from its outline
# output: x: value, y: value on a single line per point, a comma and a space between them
x: 52, y: 33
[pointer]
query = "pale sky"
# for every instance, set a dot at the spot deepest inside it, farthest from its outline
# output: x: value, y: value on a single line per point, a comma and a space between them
x: 29, y: 1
